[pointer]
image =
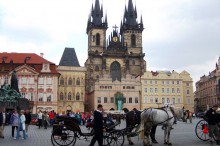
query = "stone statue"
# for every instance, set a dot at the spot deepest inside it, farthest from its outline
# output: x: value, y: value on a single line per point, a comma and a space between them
x: 14, y: 81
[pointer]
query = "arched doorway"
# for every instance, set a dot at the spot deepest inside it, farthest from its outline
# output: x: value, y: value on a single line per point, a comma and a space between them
x: 115, y: 71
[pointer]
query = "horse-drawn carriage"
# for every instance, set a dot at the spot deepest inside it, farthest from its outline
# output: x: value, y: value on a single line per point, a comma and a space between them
x: 66, y: 131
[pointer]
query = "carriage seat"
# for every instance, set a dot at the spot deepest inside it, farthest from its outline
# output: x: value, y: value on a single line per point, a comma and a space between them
x: 112, y: 126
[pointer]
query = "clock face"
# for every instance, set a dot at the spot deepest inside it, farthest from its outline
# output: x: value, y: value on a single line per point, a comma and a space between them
x: 115, y: 39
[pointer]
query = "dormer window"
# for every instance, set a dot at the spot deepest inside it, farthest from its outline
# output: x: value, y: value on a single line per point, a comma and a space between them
x: 45, y: 67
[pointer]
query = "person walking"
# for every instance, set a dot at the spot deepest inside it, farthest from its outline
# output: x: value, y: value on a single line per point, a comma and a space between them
x: 98, y: 126
x: 51, y: 116
x: 213, y: 124
x: 14, y: 120
x: 2, y: 122
x: 28, y: 120
x: 21, y: 126
x: 45, y: 118
x: 39, y: 118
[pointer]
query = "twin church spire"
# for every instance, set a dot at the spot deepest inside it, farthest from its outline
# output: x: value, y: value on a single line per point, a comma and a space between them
x: 129, y: 21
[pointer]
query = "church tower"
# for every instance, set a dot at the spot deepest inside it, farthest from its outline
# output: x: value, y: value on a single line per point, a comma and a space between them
x: 96, y: 29
x: 131, y: 32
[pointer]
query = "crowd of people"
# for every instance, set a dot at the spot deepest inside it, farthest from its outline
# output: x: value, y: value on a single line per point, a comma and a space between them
x: 20, y: 121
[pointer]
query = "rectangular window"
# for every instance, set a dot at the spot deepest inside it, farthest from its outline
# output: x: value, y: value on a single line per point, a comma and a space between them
x: 145, y: 89
x: 162, y: 90
x: 23, y: 94
x: 31, y: 80
x: 151, y: 90
x: 188, y: 101
x: 49, y: 98
x: 151, y: 100
x: 145, y: 99
x: 31, y: 97
x: 173, y: 100
x: 178, y: 90
x: 105, y: 99
x: 155, y: 82
x: 168, y: 100
x: 145, y: 81
x: 173, y: 82
x: 187, y: 84
x: 112, y: 99
x: 125, y: 100
x: 130, y: 99
x: 167, y: 82
x: 41, y: 80
x: 23, y: 80
x: 156, y: 90
x: 168, y: 90
x: 178, y: 100
x: 151, y: 81
x: 187, y: 92
x: 177, y: 82
x: 162, y: 82
x: 99, y: 100
x: 136, y: 99
x: 156, y: 100
x: 163, y: 100
x: 49, y: 81
x: 40, y: 96
x: 173, y: 90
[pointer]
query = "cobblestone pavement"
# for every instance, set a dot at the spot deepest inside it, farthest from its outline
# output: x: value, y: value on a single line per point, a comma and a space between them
x: 183, y: 134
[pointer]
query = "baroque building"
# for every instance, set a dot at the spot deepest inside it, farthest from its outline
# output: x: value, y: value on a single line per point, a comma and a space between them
x: 37, y: 78
x: 208, y: 89
x: 71, y: 87
x: 164, y: 87
x: 114, y: 60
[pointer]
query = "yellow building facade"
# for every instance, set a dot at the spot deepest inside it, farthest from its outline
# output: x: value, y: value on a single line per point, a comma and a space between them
x: 71, y: 89
x: 164, y: 87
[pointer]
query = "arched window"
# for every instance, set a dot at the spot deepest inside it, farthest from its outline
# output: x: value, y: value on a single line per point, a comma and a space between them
x: 78, y: 82
x: 97, y: 39
x: 133, y: 40
x: 78, y: 96
x: 61, y: 81
x: 97, y: 77
x: 96, y: 68
x: 61, y: 96
x: 115, y: 71
x: 69, y: 96
x: 70, y: 82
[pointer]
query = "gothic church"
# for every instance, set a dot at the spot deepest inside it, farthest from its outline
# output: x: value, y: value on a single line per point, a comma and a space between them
x: 115, y: 63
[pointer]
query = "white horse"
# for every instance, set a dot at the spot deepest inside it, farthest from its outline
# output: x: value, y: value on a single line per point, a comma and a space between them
x: 158, y: 116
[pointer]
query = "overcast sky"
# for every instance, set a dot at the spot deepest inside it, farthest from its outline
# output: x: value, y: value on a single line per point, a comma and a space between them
x: 179, y: 34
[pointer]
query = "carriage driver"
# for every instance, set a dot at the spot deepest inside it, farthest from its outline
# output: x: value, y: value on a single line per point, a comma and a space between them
x: 213, y: 124
x: 98, y: 126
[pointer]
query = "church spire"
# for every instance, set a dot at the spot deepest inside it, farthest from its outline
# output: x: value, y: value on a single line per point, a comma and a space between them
x: 96, y: 15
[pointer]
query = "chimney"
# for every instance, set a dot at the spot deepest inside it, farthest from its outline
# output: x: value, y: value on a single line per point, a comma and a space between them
x: 42, y: 55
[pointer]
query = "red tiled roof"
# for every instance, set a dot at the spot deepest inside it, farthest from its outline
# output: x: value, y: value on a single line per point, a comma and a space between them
x: 35, y: 61
x: 18, y: 58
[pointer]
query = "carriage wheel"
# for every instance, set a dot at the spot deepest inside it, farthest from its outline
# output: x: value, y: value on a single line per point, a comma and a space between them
x: 63, y: 136
x: 116, y: 138
x: 105, y: 139
x: 201, y: 130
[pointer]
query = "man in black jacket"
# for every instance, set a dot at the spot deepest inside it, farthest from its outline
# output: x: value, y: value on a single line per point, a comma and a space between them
x: 98, y: 126
x: 28, y: 120
x: 213, y: 124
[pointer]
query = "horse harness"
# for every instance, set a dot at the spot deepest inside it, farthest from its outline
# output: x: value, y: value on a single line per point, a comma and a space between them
x: 169, y: 118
